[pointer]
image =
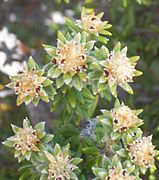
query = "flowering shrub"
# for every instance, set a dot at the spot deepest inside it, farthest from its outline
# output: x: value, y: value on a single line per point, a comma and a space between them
x: 80, y: 70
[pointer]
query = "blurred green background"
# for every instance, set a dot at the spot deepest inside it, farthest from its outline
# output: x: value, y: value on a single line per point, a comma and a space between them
x: 26, y: 25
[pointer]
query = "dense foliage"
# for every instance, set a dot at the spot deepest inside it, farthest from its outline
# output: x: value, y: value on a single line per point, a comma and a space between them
x: 136, y: 26
x: 80, y: 71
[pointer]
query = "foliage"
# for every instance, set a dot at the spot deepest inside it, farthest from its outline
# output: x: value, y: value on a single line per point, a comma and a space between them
x: 80, y: 70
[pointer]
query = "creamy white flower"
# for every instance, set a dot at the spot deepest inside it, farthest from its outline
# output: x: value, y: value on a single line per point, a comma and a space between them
x: 26, y: 139
x: 60, y: 165
x: 124, y: 118
x: 71, y: 56
x: 118, y: 68
x: 141, y: 151
x: 91, y: 23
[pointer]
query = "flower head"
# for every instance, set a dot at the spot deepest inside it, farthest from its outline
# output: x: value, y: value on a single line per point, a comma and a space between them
x: 26, y: 140
x: 113, y: 170
x: 124, y: 118
x: 119, y: 69
x: 92, y: 23
x: 141, y: 152
x: 28, y: 84
x: 60, y: 164
x: 70, y: 60
x: 72, y: 56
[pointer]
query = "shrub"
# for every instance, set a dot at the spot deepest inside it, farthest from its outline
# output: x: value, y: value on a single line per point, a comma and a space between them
x: 80, y: 71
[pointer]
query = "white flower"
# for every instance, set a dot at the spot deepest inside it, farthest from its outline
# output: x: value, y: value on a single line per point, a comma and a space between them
x: 141, y: 151
x: 124, y: 118
x: 71, y: 56
x: 60, y: 166
x: 118, y: 68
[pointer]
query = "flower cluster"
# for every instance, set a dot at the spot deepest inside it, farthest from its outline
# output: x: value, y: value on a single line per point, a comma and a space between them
x: 70, y: 60
x: 113, y: 170
x: 26, y: 140
x: 121, y: 118
x: 141, y: 152
x: 60, y: 164
x: 118, y: 69
x: 71, y: 57
x: 92, y: 23
x: 29, y: 84
x: 124, y: 118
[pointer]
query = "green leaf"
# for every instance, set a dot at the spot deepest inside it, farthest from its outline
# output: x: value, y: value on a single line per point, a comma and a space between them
x: 77, y: 83
x: 67, y: 78
x: 59, y: 82
x: 101, y: 39
x: 138, y: 73
x: 100, y: 15
x: 40, y: 126
x: 26, y: 123
x: 14, y: 128
x: 31, y: 63
x: 56, y: 73
x: 127, y: 88
x: 8, y: 143
x: 89, y: 45
x: 122, y: 152
x: 134, y: 59
x: 105, y: 162
x: 117, y: 47
x: 73, y: 176
x: 117, y: 102
x: 143, y: 170
x: 35, y: 101
x: 113, y: 90
x: 115, y: 160
x: 47, y: 138
x: 51, y: 50
x: 76, y: 161
x: 115, y: 135
x: 51, y: 71
x: 71, y: 25
x: 77, y: 38
x: 47, y: 82
x: 20, y: 100
x: 91, y: 150
x: 28, y: 155
x: 61, y: 37
x: 27, y: 100
x: 57, y: 149
x: 104, y: 32
x: 72, y: 100
x: 45, y: 98
x: 106, y: 113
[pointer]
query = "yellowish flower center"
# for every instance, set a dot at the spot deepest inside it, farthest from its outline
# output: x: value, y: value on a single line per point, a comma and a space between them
x: 119, y: 69
x: 141, y: 152
x: 71, y: 57
x: 26, y: 140
x: 124, y: 118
